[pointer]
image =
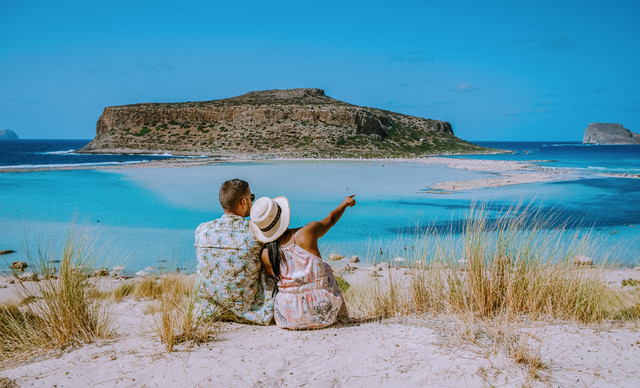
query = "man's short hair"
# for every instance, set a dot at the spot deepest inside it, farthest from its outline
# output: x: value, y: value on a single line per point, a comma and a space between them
x: 231, y: 192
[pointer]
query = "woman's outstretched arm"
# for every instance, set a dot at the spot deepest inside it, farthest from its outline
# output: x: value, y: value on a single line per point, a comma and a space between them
x: 320, y: 228
x: 307, y: 237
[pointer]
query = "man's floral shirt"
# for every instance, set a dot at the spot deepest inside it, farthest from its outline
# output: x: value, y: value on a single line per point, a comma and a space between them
x: 231, y: 280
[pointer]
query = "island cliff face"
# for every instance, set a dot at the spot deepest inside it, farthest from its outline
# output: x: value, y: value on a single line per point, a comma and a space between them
x: 606, y: 133
x: 293, y: 123
x: 7, y: 134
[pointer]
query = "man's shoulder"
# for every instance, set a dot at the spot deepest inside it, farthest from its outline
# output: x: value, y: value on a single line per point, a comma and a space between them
x: 208, y: 224
x: 225, y: 225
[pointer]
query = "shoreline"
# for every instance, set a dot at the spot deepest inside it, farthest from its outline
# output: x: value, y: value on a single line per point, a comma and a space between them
x: 506, y: 172
x: 166, y: 163
x: 528, y: 172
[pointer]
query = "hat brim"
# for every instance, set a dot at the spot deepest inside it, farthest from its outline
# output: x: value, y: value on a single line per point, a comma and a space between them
x: 279, y: 228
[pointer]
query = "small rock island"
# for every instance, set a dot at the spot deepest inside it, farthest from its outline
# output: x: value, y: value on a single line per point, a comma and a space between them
x: 7, y: 134
x: 607, y: 133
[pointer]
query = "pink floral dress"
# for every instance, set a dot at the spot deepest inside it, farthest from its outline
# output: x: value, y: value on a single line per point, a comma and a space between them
x: 308, y: 295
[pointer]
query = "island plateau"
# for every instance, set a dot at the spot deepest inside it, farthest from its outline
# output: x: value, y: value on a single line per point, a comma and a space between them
x: 285, y: 123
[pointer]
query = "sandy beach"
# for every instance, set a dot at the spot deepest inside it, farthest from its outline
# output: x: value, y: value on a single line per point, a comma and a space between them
x: 413, y: 350
x: 506, y: 173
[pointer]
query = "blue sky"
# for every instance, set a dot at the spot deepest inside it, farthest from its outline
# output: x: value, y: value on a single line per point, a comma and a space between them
x: 503, y: 70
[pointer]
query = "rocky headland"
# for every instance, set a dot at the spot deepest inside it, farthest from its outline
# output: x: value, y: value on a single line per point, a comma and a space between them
x: 283, y: 123
x: 7, y: 134
x: 607, y: 133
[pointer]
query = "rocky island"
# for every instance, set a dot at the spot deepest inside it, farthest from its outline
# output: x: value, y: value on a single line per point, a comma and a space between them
x: 285, y: 123
x: 606, y: 133
x: 7, y: 134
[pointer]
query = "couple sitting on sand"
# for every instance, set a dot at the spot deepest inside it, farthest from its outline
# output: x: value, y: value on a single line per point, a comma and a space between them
x: 239, y: 260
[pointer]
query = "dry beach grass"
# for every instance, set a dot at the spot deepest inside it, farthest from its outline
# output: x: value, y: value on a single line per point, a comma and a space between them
x: 516, y: 269
x: 59, y: 310
x: 519, y: 264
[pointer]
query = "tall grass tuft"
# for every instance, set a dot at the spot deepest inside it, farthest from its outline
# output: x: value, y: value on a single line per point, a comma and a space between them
x: 516, y: 264
x: 19, y: 331
x: 149, y: 287
x: 381, y: 296
x: 123, y: 290
x: 60, y: 310
x: 177, y: 319
x: 511, y: 264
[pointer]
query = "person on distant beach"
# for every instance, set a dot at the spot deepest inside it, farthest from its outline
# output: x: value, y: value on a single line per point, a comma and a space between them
x: 232, y: 283
x: 308, y: 296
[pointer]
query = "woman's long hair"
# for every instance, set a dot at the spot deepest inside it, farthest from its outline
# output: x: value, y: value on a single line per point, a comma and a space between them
x: 275, y: 257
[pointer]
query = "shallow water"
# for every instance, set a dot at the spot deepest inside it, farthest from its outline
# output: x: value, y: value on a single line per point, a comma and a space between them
x: 143, y: 216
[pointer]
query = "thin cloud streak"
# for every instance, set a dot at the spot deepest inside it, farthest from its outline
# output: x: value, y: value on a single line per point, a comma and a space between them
x: 411, y: 57
x: 160, y: 66
x: 555, y: 43
x: 463, y: 88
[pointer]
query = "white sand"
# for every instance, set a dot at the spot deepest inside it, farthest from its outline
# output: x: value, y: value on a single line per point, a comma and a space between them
x: 504, y: 179
x: 374, y: 354
x: 507, y: 173
x: 477, y: 164
x: 405, y: 351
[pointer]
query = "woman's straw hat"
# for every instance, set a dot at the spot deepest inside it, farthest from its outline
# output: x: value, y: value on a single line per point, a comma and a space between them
x: 269, y: 218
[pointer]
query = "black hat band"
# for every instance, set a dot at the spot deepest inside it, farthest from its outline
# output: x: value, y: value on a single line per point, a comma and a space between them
x: 275, y: 220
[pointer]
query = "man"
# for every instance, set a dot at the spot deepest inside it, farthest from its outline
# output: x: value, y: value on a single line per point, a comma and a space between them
x: 232, y: 284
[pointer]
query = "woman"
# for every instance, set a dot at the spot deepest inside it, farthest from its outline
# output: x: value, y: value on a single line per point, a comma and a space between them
x: 308, y: 295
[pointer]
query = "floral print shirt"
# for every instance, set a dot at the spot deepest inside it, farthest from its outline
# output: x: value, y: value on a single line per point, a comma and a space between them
x: 231, y: 280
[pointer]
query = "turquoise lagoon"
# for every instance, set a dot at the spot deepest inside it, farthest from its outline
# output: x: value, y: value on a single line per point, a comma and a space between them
x: 145, y: 217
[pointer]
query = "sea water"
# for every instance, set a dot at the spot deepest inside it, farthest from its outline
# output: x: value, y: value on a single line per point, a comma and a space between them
x: 619, y: 159
x: 32, y: 154
x: 145, y: 217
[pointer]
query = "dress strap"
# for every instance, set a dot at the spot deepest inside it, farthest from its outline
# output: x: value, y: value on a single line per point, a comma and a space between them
x: 293, y: 236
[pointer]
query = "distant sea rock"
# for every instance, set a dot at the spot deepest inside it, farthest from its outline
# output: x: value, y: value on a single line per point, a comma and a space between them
x: 7, y: 134
x: 288, y: 123
x: 607, y: 133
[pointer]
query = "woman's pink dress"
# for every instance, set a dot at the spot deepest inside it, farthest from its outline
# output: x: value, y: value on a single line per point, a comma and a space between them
x: 308, y: 295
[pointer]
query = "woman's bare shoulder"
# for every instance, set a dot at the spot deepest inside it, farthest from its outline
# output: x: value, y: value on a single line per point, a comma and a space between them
x: 309, y: 228
x: 307, y: 233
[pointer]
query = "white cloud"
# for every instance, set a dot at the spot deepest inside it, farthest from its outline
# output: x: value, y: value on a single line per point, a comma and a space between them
x: 545, y: 103
x: 510, y: 112
x: 463, y: 88
x: 147, y: 67
x: 412, y: 57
